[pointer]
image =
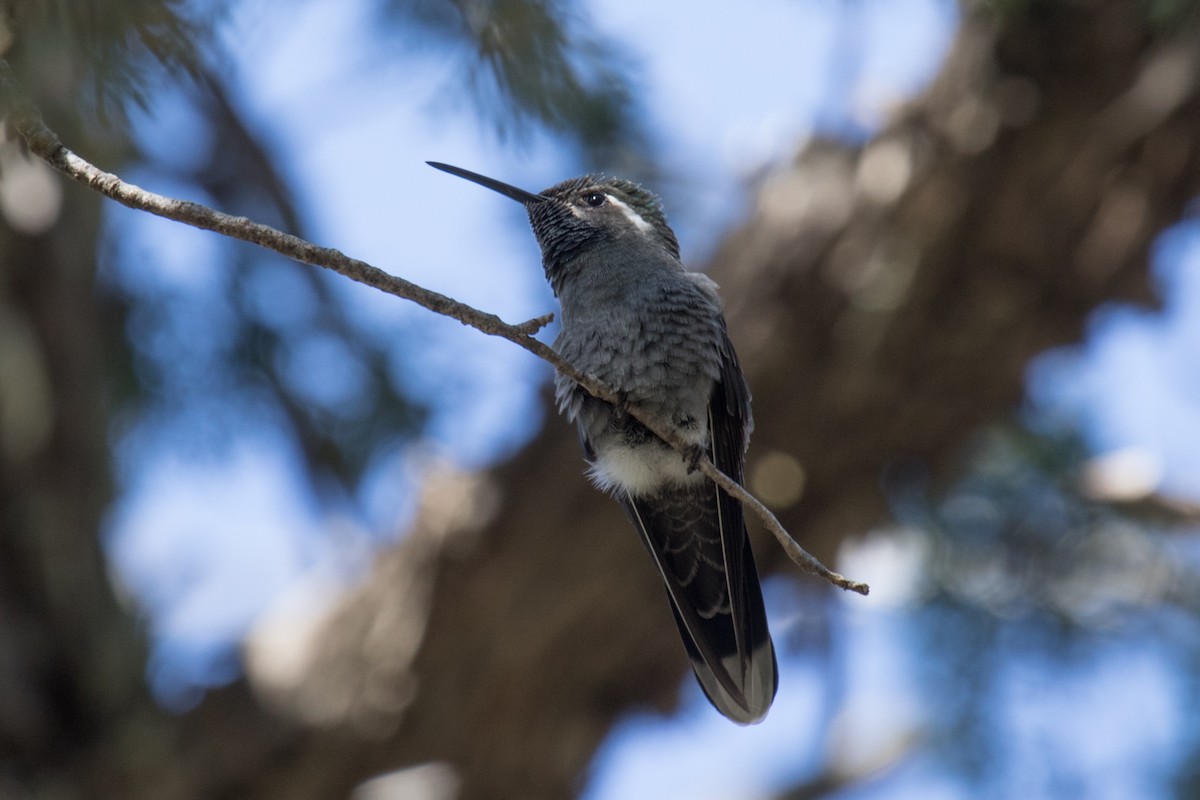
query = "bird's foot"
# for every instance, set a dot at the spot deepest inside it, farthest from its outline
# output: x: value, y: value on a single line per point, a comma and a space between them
x: 692, y: 456
x: 622, y: 405
x: 621, y: 418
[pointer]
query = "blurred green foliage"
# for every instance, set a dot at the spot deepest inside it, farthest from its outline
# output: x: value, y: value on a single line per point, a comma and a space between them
x: 533, y: 64
x: 103, y: 53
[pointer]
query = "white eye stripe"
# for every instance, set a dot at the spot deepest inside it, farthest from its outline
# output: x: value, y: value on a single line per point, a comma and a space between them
x: 632, y: 215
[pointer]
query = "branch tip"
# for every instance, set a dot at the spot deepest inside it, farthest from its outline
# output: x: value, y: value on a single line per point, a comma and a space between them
x: 851, y: 586
x: 532, y: 326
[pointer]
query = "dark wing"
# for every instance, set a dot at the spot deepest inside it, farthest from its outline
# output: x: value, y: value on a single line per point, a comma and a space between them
x: 697, y: 536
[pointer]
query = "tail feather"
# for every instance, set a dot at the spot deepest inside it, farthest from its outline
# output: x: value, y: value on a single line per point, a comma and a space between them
x: 700, y: 547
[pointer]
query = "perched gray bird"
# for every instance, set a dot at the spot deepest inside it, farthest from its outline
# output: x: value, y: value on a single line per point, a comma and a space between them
x: 641, y: 324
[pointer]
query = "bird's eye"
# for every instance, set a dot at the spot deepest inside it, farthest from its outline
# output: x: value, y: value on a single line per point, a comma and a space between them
x: 594, y: 199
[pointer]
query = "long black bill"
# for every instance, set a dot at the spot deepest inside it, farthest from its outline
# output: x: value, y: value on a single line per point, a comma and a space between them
x: 520, y: 195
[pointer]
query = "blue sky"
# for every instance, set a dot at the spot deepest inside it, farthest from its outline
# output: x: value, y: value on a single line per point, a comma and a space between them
x: 208, y: 541
x: 1133, y: 382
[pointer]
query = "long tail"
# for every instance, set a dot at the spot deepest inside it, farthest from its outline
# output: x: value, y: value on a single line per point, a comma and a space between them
x: 697, y: 536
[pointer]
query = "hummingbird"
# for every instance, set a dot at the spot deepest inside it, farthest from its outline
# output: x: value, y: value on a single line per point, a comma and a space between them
x: 637, y: 320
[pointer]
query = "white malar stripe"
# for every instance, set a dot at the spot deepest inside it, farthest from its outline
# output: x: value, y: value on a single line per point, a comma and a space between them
x: 634, y: 217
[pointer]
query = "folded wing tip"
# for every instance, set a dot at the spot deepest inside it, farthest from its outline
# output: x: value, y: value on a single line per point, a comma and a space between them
x: 745, y: 701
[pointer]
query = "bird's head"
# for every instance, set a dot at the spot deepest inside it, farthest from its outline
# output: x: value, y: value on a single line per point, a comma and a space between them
x: 574, y: 217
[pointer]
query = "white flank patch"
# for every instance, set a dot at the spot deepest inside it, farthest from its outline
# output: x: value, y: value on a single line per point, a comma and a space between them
x: 634, y: 217
x: 640, y: 470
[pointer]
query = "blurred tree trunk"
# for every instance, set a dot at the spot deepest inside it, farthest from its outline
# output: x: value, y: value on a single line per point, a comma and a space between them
x: 886, y: 301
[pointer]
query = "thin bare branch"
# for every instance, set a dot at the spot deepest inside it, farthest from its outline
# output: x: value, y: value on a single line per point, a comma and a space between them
x: 44, y: 143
